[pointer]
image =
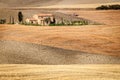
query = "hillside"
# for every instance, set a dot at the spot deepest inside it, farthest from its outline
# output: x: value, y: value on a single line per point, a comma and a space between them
x: 100, y: 39
x: 44, y: 3
x: 21, y: 3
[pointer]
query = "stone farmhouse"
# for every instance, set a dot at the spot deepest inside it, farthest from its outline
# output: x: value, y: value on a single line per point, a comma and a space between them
x: 41, y: 19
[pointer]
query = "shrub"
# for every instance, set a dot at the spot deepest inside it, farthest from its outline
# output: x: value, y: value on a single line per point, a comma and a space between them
x: 115, y: 7
x: 75, y: 23
x: 30, y: 24
x: 103, y: 7
x: 80, y: 23
x: 2, y: 21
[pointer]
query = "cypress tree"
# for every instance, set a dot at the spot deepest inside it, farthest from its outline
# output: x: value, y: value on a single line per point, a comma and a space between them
x: 20, y: 17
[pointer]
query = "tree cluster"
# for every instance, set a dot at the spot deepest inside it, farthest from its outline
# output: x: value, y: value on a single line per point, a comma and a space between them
x: 109, y: 7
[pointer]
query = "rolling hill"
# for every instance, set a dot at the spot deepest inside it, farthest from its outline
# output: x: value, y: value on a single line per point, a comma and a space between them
x: 44, y: 3
x: 24, y: 3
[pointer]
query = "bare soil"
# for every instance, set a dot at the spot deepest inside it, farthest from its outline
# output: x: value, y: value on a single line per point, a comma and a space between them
x: 13, y: 52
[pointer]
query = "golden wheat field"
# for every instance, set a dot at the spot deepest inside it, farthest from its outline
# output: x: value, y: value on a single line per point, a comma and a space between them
x: 59, y: 72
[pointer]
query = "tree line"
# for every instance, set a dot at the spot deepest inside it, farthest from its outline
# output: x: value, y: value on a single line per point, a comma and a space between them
x: 12, y: 20
x: 109, y: 7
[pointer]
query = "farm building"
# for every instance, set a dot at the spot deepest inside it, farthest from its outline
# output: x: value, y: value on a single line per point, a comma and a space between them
x: 41, y: 19
x: 58, y: 18
x: 32, y: 21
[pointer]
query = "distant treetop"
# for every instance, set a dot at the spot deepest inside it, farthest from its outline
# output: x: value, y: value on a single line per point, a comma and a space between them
x: 109, y: 7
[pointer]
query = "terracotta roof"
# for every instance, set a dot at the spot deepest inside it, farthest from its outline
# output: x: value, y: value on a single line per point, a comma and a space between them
x: 43, y: 15
x: 32, y: 19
